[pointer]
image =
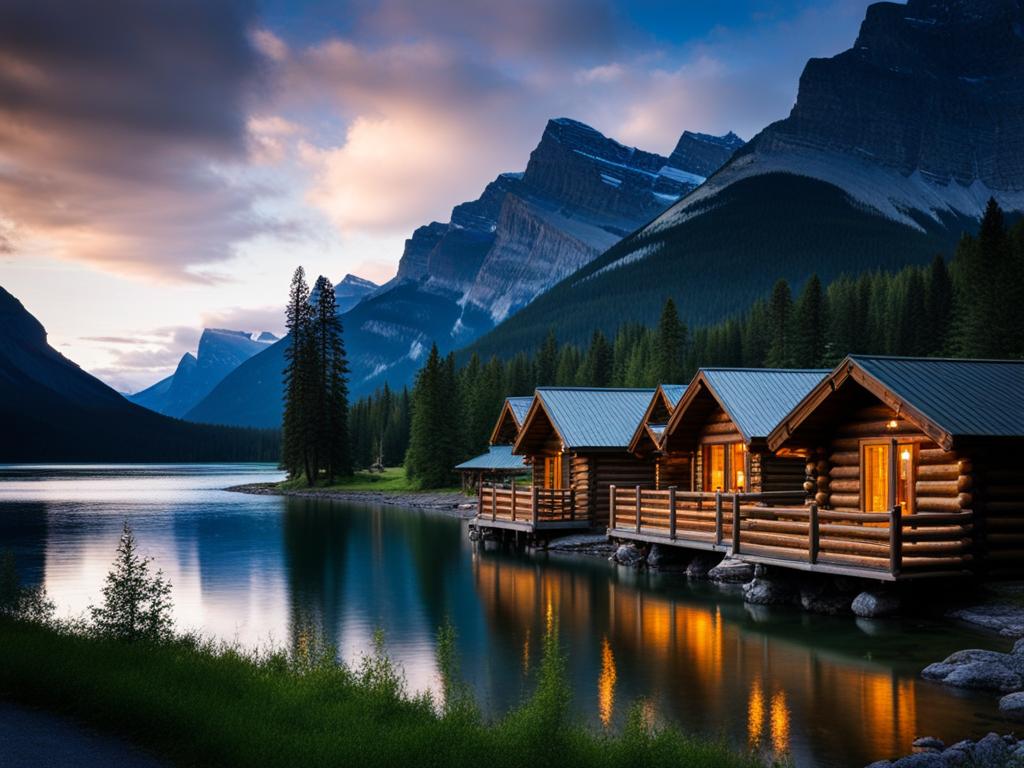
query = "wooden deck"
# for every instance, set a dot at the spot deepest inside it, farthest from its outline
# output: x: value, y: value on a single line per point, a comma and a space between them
x: 527, y: 509
x: 769, y: 528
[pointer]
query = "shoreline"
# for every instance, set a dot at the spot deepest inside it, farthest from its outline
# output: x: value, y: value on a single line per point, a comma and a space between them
x: 452, y: 504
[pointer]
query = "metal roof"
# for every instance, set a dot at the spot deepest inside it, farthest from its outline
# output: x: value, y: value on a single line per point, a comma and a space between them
x: 673, y: 392
x: 498, y: 457
x: 970, y: 398
x: 520, y: 407
x: 593, y: 417
x: 757, y: 399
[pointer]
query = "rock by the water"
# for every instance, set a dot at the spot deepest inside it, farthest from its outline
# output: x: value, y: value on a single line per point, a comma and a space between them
x: 978, y: 669
x: 662, y: 556
x: 929, y: 742
x: 823, y: 597
x: 768, y: 591
x: 628, y: 554
x: 1005, y: 618
x: 702, y: 564
x: 593, y: 543
x: 871, y: 605
x: 993, y: 751
x: 732, y: 571
x: 1013, y: 705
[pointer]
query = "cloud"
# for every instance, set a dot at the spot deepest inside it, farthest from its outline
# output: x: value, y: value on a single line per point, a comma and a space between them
x: 118, y: 122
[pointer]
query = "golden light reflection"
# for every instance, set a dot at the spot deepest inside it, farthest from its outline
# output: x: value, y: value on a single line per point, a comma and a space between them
x: 780, y: 723
x: 755, y: 714
x: 606, y: 684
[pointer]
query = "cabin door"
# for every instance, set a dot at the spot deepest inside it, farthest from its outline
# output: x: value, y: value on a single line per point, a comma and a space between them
x: 888, y: 473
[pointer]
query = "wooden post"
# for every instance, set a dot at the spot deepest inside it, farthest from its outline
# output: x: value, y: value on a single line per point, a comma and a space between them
x: 533, y: 503
x: 735, y: 524
x: 812, y: 534
x: 494, y: 502
x: 672, y: 512
x: 718, y: 517
x: 896, y: 540
x: 480, y: 500
x: 611, y: 506
x: 638, y: 509
x: 513, y: 501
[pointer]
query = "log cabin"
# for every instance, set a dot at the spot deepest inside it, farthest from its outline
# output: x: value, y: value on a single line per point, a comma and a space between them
x: 714, y: 447
x: 646, y: 442
x: 914, y: 468
x: 575, y: 440
x: 498, y: 465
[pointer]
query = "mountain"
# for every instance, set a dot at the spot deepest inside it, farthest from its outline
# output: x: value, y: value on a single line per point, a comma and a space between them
x: 581, y: 192
x: 890, y: 153
x: 351, y: 290
x: 52, y: 410
x: 219, y: 353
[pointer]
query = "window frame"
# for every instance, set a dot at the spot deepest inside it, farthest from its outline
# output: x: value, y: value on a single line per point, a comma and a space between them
x: 894, y: 445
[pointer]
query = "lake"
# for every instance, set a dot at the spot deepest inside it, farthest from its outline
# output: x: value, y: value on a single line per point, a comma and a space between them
x: 264, y: 570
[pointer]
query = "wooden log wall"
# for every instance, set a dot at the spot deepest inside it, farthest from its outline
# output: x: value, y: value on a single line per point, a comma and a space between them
x: 717, y: 428
x: 999, y: 493
x: 777, y: 473
x: 675, y: 470
x: 581, y: 480
x: 620, y: 469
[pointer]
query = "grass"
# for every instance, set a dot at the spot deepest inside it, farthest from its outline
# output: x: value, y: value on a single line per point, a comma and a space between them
x: 392, y: 479
x: 201, y: 704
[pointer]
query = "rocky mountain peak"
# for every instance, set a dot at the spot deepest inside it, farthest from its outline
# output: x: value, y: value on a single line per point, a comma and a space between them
x: 703, y: 154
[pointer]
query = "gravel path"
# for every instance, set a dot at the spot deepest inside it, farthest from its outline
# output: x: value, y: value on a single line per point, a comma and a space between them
x: 30, y: 738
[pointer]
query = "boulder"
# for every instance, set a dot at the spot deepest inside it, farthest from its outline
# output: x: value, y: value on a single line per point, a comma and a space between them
x: 1005, y: 618
x: 701, y: 565
x: 871, y: 605
x: 1012, y: 705
x: 921, y: 760
x: 979, y: 675
x: 769, y: 592
x: 929, y: 742
x: 991, y: 751
x: 628, y: 554
x: 667, y: 558
x: 823, y: 597
x: 732, y: 571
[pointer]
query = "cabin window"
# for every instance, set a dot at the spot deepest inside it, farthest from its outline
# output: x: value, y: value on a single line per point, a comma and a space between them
x: 887, y: 483
x: 553, y: 477
x: 738, y: 466
x: 725, y: 467
x: 714, y: 467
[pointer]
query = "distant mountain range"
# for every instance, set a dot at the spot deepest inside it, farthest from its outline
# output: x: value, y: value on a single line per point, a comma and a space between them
x: 351, y: 290
x: 219, y: 353
x: 890, y: 152
x: 581, y: 192
x: 52, y: 410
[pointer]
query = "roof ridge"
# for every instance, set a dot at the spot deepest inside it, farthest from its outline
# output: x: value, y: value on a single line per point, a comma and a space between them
x: 749, y: 369
x: 596, y: 389
x: 923, y: 359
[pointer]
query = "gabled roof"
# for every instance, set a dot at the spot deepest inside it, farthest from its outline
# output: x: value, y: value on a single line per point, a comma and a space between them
x: 587, y: 417
x: 949, y: 399
x: 513, y: 412
x: 497, y: 458
x: 652, y: 425
x: 754, y: 399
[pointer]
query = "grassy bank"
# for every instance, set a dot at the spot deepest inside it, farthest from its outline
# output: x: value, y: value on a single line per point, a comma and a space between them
x: 202, y: 705
x: 392, y: 479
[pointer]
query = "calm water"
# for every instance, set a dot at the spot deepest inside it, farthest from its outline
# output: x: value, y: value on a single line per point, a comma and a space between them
x: 262, y: 569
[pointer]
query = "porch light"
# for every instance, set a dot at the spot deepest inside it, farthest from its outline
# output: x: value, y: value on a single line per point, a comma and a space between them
x: 905, y: 455
x: 892, y: 424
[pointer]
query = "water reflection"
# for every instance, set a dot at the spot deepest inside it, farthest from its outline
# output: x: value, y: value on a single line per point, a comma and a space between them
x: 258, y: 569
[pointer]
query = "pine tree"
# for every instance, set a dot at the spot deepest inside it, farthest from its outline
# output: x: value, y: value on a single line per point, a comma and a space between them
x: 809, y: 326
x: 780, y: 322
x: 670, y: 346
x: 296, y: 435
x: 432, y: 433
x: 136, y: 605
x: 335, y: 444
x: 597, y: 370
x: 547, y: 361
x: 938, y: 306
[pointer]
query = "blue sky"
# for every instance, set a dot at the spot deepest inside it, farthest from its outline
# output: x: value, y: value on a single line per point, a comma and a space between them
x: 166, y: 167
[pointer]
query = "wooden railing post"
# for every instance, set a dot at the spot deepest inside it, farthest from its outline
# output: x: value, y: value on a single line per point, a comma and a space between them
x: 638, y: 516
x: 611, y: 506
x: 672, y: 512
x: 480, y: 500
x: 494, y: 502
x: 718, y: 516
x: 513, y: 501
x: 896, y: 540
x: 534, y: 499
x: 812, y: 534
x: 735, y: 524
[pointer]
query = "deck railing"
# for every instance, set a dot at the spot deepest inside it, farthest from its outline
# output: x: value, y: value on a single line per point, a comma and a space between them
x: 531, y: 504
x: 772, y: 526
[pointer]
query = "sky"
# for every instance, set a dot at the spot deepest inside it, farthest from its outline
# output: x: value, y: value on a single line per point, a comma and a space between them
x: 166, y: 164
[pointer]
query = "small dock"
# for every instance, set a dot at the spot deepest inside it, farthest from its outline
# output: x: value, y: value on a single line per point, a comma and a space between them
x: 531, y: 510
